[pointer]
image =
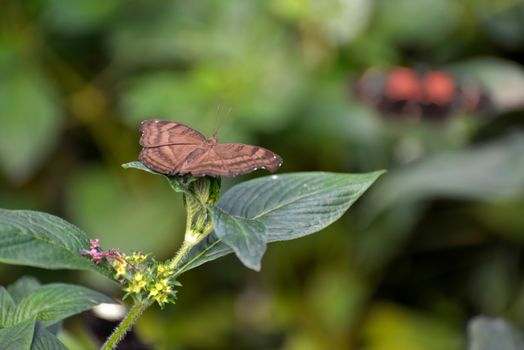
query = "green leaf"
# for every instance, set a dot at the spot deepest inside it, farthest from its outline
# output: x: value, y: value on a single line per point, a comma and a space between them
x: 54, y: 302
x: 493, y: 334
x: 44, y: 340
x: 246, y: 237
x: 23, y: 287
x: 7, y: 306
x: 177, y: 183
x: 289, y: 206
x: 138, y: 165
x: 17, y: 337
x: 295, y: 205
x: 43, y: 240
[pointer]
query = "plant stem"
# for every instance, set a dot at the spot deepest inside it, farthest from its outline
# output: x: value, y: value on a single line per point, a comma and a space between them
x: 186, y: 246
x: 125, y: 325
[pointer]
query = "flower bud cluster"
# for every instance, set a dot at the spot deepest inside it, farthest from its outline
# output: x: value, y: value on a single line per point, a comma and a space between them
x: 145, y: 278
x: 141, y: 275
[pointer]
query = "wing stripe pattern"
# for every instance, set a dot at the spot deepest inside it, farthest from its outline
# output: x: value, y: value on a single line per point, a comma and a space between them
x: 163, y: 133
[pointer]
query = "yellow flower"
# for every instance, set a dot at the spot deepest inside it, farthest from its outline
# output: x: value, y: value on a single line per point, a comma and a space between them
x: 138, y: 257
x: 133, y: 288
x: 162, y: 270
x: 161, y: 299
x: 120, y: 268
x: 153, y: 292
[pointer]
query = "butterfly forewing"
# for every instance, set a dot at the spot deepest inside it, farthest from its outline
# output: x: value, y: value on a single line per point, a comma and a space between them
x: 164, y: 132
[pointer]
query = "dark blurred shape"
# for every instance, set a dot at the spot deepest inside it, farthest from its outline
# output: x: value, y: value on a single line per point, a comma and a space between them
x: 103, y: 319
x: 430, y: 94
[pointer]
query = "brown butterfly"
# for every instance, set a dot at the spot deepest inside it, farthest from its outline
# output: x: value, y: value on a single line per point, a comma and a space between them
x: 173, y: 148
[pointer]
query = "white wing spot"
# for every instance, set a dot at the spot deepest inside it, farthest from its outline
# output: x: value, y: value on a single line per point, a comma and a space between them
x: 274, y: 177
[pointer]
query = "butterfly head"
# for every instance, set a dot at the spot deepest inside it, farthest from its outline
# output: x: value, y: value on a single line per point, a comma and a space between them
x: 212, y: 140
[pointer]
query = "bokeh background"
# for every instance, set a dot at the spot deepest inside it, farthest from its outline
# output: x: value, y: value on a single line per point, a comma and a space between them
x: 438, y: 240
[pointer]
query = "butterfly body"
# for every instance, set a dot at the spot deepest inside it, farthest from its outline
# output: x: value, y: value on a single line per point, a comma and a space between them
x: 173, y: 148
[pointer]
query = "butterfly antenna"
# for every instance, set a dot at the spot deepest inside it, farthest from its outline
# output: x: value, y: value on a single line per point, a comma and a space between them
x: 217, y: 123
x: 218, y: 120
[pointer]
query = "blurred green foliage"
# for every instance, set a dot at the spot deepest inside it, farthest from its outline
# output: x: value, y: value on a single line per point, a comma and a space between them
x: 437, y: 242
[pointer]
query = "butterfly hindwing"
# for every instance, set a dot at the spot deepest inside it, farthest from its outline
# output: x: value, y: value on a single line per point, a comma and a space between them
x: 231, y: 159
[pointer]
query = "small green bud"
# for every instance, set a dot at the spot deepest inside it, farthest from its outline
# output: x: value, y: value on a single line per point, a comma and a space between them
x: 206, y: 189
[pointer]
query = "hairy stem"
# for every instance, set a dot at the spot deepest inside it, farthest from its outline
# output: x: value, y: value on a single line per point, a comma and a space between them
x: 125, y: 325
x: 186, y: 246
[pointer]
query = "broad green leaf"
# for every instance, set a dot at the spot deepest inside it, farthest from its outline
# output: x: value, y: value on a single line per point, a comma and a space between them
x: 289, y: 206
x: 7, y: 306
x: 295, y: 205
x: 493, y: 334
x: 282, y: 205
x: 247, y: 237
x: 17, y: 337
x: 31, y: 118
x: 54, y: 302
x: 23, y: 287
x: 44, y: 340
x: 43, y: 240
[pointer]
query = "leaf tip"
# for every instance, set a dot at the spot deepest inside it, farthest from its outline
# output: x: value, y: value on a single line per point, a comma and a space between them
x: 380, y: 172
x: 250, y: 264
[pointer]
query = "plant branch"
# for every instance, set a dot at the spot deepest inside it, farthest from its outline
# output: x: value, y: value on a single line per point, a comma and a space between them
x: 186, y: 246
x: 125, y: 325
